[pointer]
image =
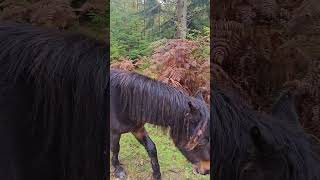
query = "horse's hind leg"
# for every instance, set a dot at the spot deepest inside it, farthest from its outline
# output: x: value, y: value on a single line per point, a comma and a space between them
x: 144, y: 139
x: 119, y: 172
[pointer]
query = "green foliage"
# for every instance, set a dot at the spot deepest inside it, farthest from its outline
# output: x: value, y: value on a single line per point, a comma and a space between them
x: 135, y: 25
x: 198, y: 14
x: 160, y: 17
x: 127, y: 31
x: 202, y: 38
x: 116, y: 50
x: 144, y: 65
x: 194, y: 34
x: 206, y: 31
x: 202, y: 53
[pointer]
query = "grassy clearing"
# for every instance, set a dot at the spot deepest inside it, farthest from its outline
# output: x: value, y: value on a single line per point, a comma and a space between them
x: 172, y: 163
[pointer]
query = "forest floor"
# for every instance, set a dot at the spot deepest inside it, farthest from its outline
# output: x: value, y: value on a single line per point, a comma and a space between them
x: 136, y: 162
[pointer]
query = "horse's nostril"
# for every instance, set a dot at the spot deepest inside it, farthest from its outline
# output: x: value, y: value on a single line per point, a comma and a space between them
x: 195, y: 170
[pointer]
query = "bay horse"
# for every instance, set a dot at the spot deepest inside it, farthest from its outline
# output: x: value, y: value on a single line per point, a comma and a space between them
x: 137, y: 99
x: 251, y: 145
x: 53, y: 104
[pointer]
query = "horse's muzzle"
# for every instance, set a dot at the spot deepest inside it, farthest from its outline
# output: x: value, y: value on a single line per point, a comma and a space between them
x: 202, y: 167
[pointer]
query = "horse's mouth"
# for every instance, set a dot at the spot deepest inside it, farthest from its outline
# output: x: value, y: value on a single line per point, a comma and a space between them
x: 202, y: 167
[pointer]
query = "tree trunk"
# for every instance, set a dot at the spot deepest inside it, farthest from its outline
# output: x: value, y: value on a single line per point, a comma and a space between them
x: 144, y: 19
x: 181, y: 10
x: 137, y: 5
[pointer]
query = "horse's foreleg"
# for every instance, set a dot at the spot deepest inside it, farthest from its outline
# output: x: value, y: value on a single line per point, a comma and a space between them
x: 119, y: 172
x: 144, y: 139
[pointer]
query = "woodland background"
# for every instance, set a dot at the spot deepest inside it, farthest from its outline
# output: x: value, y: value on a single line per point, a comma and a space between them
x: 151, y: 37
x: 260, y: 47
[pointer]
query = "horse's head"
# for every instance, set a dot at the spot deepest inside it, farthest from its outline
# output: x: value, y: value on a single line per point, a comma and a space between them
x: 284, y: 156
x: 195, y: 144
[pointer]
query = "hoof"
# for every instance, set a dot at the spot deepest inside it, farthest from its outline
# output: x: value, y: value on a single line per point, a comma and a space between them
x: 120, y: 173
x: 156, y: 177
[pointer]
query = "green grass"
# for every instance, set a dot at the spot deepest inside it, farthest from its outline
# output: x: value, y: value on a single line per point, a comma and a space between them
x: 136, y: 162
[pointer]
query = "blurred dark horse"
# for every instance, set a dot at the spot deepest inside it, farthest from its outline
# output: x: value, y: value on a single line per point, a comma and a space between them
x: 250, y: 145
x: 53, y: 105
x: 137, y: 99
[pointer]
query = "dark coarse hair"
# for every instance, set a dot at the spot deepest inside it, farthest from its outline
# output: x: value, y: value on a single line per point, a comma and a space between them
x: 63, y: 78
x: 231, y: 127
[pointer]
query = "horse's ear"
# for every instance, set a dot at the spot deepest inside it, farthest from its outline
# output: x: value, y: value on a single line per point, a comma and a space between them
x: 192, y: 107
x: 199, y: 95
x: 261, y: 145
x: 285, y: 111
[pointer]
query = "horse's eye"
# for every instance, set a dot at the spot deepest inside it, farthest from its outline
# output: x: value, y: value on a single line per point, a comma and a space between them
x: 204, y: 141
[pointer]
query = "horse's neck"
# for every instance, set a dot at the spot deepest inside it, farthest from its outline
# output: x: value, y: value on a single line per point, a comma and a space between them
x: 168, y: 122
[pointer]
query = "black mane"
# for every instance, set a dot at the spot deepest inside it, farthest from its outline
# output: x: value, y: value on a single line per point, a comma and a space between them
x: 64, y: 76
x: 230, y: 126
x: 152, y: 101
